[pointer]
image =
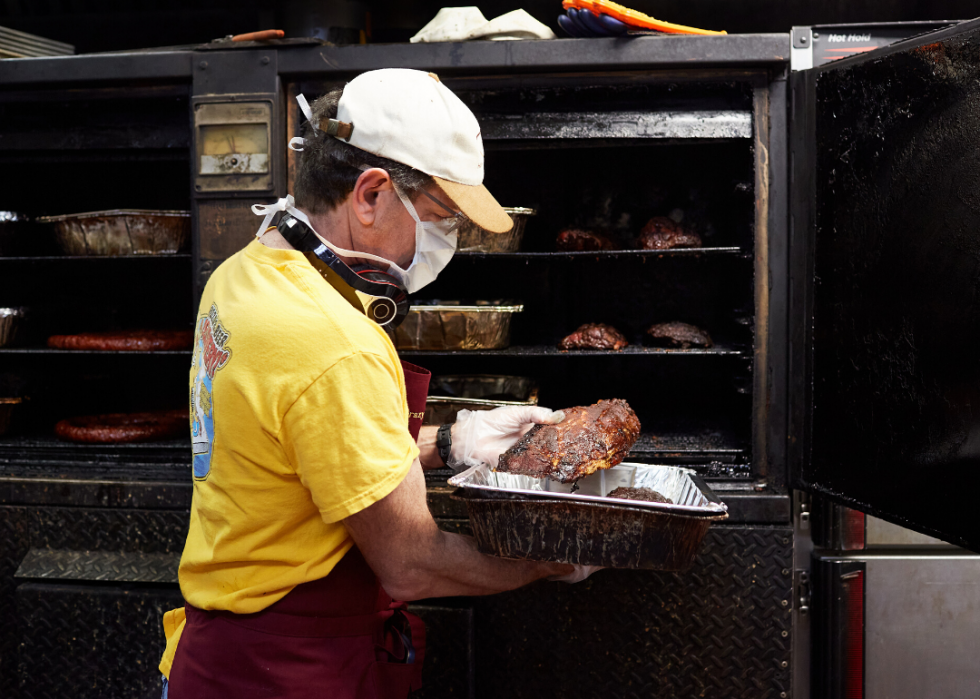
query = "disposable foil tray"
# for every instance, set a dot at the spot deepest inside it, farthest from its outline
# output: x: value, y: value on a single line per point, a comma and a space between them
x: 10, y: 320
x: 447, y: 325
x: 522, y: 517
x: 472, y: 238
x: 475, y: 392
x: 118, y: 232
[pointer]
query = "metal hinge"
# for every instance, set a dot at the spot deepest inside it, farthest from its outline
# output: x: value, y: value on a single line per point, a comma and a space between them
x: 801, y: 509
x: 801, y: 585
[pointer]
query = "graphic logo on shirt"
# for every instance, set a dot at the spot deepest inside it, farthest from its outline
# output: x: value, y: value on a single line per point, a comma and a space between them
x: 211, y: 353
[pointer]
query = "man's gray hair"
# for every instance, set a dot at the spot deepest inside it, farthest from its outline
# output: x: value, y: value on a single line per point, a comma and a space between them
x: 329, y: 167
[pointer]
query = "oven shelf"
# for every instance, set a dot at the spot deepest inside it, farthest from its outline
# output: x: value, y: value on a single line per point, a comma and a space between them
x: 37, y: 454
x: 64, y: 352
x: 708, y: 443
x: 550, y: 351
x: 185, y: 257
x: 604, y: 254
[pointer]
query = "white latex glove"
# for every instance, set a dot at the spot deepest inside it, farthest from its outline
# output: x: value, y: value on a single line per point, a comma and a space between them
x: 481, y: 436
x: 579, y: 574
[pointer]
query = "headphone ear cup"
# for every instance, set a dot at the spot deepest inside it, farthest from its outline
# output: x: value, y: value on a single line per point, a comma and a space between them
x: 382, y: 310
x: 386, y: 312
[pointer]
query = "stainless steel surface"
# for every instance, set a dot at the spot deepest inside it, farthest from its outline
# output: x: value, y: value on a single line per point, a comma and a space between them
x: 922, y: 613
x: 17, y: 44
x: 467, y: 391
x: 451, y: 326
x: 672, y: 482
x: 106, y: 566
x: 646, y: 124
x: 802, y: 595
x: 121, y: 232
x: 472, y: 238
x: 10, y: 320
x: 878, y: 532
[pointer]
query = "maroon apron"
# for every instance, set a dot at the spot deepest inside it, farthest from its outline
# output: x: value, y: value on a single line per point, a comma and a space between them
x: 340, y: 637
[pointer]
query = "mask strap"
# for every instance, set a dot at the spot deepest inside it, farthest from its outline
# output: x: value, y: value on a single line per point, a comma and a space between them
x: 297, y: 142
x: 270, y: 210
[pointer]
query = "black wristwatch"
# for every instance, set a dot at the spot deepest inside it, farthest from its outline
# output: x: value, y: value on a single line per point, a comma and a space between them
x: 444, y: 442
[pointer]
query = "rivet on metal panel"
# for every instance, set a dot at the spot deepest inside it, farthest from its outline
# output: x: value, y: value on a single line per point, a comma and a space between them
x: 783, y: 695
x: 784, y: 634
x: 785, y: 571
x: 265, y: 60
x: 202, y: 65
x: 785, y: 603
x: 784, y: 664
x: 816, y: 35
x: 785, y: 541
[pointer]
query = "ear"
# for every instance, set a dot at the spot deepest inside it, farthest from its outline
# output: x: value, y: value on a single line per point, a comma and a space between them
x: 364, y: 198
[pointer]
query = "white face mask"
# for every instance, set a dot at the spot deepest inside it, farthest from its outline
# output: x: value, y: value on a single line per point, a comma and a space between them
x: 435, y: 242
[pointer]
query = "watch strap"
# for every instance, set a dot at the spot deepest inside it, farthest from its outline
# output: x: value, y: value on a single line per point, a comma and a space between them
x: 444, y: 442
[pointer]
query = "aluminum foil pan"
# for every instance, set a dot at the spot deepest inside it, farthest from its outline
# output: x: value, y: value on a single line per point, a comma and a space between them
x: 515, y: 517
x: 7, y: 407
x: 472, y: 238
x: 452, y: 326
x: 10, y: 321
x: 686, y: 491
x: 14, y: 229
x: 475, y: 392
x: 121, y: 232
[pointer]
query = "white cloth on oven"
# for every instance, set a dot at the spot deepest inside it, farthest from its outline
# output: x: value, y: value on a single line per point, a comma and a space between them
x: 468, y: 23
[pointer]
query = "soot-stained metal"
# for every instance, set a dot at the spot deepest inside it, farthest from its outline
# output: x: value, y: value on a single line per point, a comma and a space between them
x: 897, y: 269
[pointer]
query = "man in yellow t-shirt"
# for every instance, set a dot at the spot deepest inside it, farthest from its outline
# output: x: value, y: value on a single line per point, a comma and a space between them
x: 309, y: 511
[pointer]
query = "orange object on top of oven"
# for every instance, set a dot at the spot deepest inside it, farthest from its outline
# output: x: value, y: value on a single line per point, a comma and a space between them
x: 633, y: 18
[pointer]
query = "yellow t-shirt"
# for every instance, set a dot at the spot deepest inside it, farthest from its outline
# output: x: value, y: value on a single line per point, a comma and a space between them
x: 299, y: 419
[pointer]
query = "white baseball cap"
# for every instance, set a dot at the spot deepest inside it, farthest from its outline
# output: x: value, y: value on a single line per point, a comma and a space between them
x: 410, y: 117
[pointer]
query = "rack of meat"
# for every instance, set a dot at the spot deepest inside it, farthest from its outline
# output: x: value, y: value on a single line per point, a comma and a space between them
x: 595, y: 336
x: 588, y: 439
x: 125, y: 341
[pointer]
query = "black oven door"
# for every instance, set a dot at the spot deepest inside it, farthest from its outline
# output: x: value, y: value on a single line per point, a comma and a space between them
x: 885, y: 307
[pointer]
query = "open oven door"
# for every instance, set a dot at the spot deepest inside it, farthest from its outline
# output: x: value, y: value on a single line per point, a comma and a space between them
x: 885, y: 307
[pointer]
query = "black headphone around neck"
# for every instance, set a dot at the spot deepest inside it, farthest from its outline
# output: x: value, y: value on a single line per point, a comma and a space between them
x: 389, y: 304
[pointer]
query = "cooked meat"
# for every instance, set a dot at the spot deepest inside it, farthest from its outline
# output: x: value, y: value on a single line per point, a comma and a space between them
x: 679, y: 335
x: 577, y: 240
x: 126, y: 341
x: 594, y: 336
x: 588, y: 439
x: 646, y: 494
x: 124, y: 427
x: 662, y: 233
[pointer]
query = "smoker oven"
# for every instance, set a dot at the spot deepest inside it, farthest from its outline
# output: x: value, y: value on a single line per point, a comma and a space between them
x: 802, y: 302
x: 590, y: 133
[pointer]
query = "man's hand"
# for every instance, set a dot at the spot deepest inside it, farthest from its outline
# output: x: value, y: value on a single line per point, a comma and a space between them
x: 480, y: 437
x: 414, y: 559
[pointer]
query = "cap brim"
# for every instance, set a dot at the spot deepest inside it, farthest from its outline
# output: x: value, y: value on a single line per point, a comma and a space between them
x: 478, y: 204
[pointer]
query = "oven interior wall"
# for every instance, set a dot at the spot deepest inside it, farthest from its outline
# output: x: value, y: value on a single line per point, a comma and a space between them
x: 71, y: 152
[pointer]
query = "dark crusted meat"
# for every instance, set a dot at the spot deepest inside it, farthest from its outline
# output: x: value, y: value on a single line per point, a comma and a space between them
x: 577, y: 240
x: 594, y: 336
x: 645, y: 494
x: 588, y: 439
x: 679, y: 335
x: 662, y: 233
